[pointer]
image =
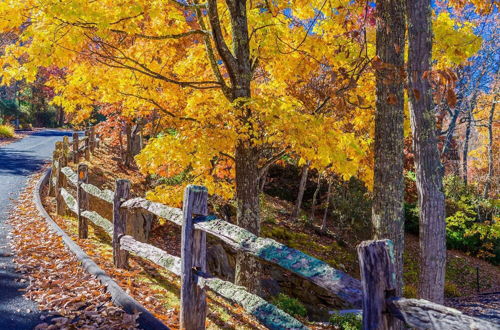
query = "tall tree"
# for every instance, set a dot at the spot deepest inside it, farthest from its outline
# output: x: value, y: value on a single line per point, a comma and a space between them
x: 428, y: 166
x: 302, y: 188
x: 217, y: 72
x: 465, y: 151
x: 388, y: 189
x: 489, y: 125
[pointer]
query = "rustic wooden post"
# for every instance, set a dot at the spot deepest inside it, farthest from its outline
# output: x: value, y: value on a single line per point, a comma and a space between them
x: 193, y: 257
x: 76, y: 155
x: 53, y: 173
x: 92, y: 140
x: 378, y: 279
x: 65, y: 145
x: 83, y: 200
x: 97, y: 140
x: 122, y: 192
x: 60, y: 183
x: 87, y: 145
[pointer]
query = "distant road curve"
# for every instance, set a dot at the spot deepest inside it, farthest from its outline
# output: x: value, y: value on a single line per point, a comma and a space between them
x: 18, y: 160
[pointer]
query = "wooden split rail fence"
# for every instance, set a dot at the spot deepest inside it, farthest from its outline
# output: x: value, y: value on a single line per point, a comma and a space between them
x: 375, y: 293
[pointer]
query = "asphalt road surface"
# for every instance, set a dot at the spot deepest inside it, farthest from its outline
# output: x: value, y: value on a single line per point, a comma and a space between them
x: 17, y: 161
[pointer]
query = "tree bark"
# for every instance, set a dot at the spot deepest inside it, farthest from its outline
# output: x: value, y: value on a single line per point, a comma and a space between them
x: 429, y: 169
x: 59, y: 116
x: 302, y: 188
x: 325, y: 214
x: 263, y: 179
x: 388, y: 190
x: 315, y: 196
x: 465, y: 154
x: 134, y: 142
x: 487, y: 184
x: 248, y: 268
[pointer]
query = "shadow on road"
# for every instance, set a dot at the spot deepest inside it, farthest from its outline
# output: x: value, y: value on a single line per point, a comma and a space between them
x: 18, y: 159
x: 49, y: 133
x: 23, y: 163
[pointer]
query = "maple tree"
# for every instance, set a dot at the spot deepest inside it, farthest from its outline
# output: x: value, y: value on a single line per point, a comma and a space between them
x: 232, y: 86
x: 203, y: 86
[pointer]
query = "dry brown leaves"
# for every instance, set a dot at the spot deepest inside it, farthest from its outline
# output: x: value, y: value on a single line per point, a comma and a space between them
x: 57, y: 282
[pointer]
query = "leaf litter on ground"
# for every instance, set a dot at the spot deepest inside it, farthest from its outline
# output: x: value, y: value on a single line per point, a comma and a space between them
x: 71, y: 297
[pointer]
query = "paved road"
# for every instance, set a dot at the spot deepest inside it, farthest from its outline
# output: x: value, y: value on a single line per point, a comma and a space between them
x: 17, y: 161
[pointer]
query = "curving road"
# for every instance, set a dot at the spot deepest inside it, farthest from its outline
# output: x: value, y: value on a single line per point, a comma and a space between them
x: 17, y: 161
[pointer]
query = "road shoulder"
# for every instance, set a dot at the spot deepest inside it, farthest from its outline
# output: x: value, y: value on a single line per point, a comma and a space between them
x: 56, y: 280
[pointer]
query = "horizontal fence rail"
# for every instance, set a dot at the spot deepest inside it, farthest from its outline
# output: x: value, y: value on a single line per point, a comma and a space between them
x: 381, y: 308
x: 374, y: 293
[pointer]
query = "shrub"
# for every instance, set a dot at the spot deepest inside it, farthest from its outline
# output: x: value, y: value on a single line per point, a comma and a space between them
x: 451, y: 290
x: 350, y: 203
x: 409, y: 291
x: 471, y: 225
x: 411, y: 218
x: 6, y: 131
x: 347, y: 321
x: 26, y: 127
x: 290, y: 305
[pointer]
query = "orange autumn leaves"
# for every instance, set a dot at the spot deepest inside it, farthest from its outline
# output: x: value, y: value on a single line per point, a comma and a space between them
x: 312, y: 80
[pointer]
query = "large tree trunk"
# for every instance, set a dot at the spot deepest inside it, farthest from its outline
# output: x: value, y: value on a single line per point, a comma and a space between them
x: 489, y: 178
x: 388, y: 190
x: 248, y: 268
x: 302, y: 188
x: 428, y: 166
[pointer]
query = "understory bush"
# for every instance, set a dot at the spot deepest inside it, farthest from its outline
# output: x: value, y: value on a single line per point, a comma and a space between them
x: 472, y: 221
x: 290, y: 305
x: 347, y: 321
x: 350, y: 203
x: 411, y: 218
x: 6, y: 131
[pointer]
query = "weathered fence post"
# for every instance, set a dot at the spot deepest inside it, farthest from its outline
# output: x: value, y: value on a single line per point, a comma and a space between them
x: 92, y: 139
x: 97, y: 140
x: 61, y: 183
x: 122, y: 192
x: 87, y: 145
x: 193, y: 257
x: 76, y: 154
x: 378, y: 279
x: 65, y: 146
x: 53, y: 173
x: 83, y: 200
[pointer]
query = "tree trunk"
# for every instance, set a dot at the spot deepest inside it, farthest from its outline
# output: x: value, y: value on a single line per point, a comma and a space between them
x: 263, y: 180
x: 238, y: 65
x: 465, y: 155
x: 325, y: 214
x: 134, y: 142
x: 469, y: 120
x: 428, y: 166
x: 450, y: 131
x: 59, y: 116
x: 248, y: 268
x: 315, y: 196
x: 123, y: 156
x: 302, y: 188
x: 388, y: 190
x: 487, y: 184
